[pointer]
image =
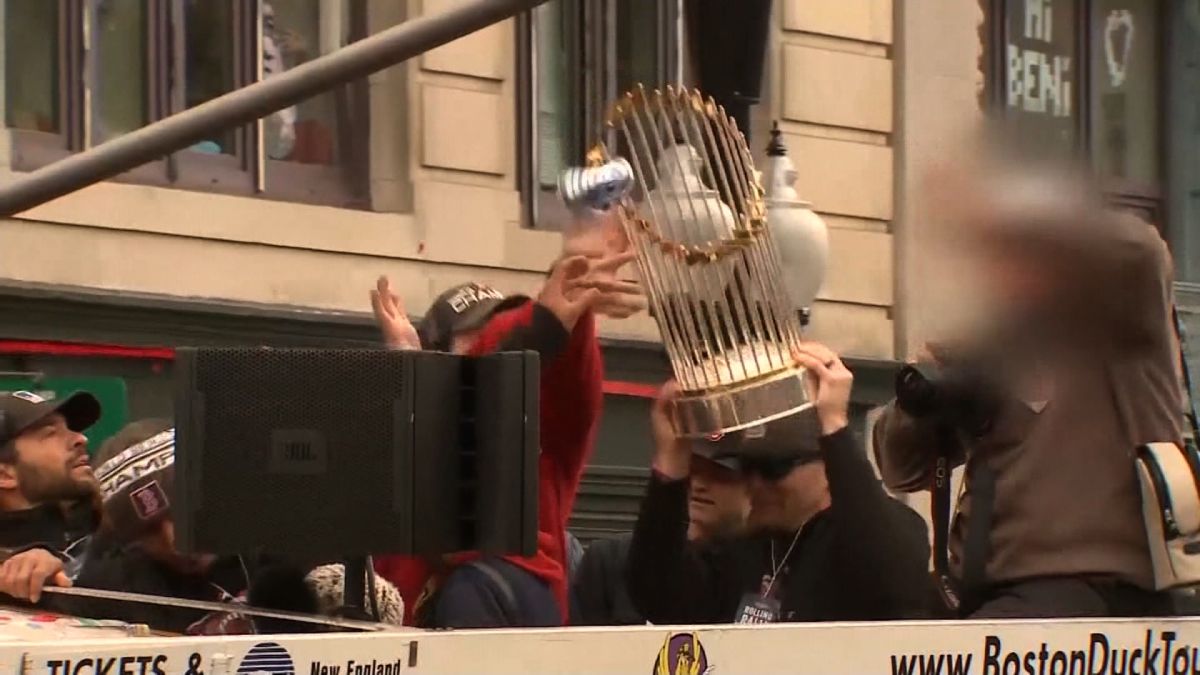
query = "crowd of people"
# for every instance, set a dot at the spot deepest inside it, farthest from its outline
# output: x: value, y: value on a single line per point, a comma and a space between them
x: 786, y: 521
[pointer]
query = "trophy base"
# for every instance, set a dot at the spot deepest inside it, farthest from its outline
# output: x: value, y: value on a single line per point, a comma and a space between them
x: 709, y: 413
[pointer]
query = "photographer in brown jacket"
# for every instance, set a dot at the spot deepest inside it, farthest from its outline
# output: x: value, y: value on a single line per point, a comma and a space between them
x: 1078, y: 368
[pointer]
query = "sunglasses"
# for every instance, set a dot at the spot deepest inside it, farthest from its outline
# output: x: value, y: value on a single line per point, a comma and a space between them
x: 774, y: 468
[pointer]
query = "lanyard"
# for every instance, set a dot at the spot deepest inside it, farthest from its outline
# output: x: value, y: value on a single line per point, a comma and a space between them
x: 775, y: 568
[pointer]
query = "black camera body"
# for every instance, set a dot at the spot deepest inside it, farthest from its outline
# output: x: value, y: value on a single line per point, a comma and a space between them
x: 961, y: 397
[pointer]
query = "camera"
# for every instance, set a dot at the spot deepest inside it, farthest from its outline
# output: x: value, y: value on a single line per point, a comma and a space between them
x: 959, y: 396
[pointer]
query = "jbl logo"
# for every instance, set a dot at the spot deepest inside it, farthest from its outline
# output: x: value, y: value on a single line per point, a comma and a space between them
x: 297, y: 451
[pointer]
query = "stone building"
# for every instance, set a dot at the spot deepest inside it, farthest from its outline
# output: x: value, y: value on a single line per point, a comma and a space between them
x: 437, y: 171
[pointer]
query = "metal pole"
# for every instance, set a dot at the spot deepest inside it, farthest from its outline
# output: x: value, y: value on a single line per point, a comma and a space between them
x: 244, y: 105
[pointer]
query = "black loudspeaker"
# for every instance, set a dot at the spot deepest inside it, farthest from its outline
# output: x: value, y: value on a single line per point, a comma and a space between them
x: 323, y: 454
x: 729, y: 44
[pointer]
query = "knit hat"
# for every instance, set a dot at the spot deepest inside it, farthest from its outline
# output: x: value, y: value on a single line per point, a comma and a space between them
x: 328, y: 582
x: 135, y: 485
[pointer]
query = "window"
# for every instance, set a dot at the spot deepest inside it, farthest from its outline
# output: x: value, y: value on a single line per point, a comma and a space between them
x: 1085, y: 76
x: 1183, y: 136
x: 80, y: 72
x: 576, y: 57
x: 31, y: 89
x: 118, y: 70
x: 1126, y: 100
x: 1040, y: 73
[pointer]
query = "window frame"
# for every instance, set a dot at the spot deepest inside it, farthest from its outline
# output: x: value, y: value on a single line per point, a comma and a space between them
x: 245, y: 172
x: 594, y: 24
x: 1145, y: 198
x: 32, y: 149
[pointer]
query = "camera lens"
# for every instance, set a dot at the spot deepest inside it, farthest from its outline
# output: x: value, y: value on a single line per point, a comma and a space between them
x: 916, y: 391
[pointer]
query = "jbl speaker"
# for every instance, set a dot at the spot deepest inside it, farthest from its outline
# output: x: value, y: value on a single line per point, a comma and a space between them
x: 322, y: 454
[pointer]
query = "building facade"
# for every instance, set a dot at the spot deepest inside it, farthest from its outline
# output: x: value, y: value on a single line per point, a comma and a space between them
x: 441, y: 170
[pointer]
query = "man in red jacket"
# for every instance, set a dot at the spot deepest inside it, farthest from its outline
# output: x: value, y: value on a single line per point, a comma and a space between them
x: 467, y: 590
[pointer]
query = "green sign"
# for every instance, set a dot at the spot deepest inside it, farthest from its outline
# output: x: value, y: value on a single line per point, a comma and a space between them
x: 110, y: 391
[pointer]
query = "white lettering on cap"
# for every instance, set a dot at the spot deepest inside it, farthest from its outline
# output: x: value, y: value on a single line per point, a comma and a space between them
x: 28, y: 396
x: 756, y: 431
x: 470, y: 295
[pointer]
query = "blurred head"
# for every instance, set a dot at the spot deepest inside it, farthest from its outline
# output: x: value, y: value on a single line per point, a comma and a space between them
x: 456, y: 318
x: 1012, y: 229
x: 718, y: 501
x: 43, y: 452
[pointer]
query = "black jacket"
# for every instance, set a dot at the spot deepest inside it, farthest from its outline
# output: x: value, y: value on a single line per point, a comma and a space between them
x: 113, y: 567
x: 866, y: 557
x: 62, y: 531
x: 110, y: 566
x: 598, y: 587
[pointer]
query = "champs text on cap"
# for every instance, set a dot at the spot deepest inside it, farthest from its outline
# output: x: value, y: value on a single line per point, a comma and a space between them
x: 471, y: 294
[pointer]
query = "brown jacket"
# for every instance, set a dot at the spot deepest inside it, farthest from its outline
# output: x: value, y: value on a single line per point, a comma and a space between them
x: 1067, y: 499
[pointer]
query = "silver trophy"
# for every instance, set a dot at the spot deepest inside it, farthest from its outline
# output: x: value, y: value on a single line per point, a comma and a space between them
x: 697, y: 219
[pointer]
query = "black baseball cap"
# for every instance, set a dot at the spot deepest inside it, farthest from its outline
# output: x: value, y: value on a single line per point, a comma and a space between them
x: 792, y: 437
x: 463, y: 308
x: 21, y: 410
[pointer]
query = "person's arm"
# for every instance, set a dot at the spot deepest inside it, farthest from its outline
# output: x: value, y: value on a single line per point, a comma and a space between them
x: 1142, y: 287
x: 881, y: 545
x: 563, y: 332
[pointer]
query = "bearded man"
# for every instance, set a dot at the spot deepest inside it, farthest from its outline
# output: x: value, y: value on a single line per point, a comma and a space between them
x: 48, y: 492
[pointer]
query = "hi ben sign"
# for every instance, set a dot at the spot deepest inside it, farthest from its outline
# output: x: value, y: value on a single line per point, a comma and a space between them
x: 1040, y: 57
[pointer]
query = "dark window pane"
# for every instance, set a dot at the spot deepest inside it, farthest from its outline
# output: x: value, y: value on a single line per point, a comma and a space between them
x: 209, y: 62
x: 1125, y: 89
x: 1041, y: 74
x: 638, y: 44
x: 558, y: 102
x: 1183, y: 145
x: 31, y: 73
x: 295, y: 31
x: 119, y: 70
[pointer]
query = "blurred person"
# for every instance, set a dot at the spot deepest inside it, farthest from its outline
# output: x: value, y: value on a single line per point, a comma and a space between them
x: 1047, y: 401
x: 48, y: 491
x: 717, y: 507
x: 469, y: 590
x: 824, y: 541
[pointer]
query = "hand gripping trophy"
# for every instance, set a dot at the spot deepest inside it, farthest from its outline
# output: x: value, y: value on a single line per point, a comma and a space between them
x: 688, y: 198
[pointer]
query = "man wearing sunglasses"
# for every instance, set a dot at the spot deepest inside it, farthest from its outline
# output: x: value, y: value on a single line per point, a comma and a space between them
x: 824, y: 540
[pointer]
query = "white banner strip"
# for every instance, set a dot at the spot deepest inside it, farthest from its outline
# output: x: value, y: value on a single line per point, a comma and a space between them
x: 1168, y: 647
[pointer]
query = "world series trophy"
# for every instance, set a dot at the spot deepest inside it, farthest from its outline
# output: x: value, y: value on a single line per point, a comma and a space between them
x: 691, y: 204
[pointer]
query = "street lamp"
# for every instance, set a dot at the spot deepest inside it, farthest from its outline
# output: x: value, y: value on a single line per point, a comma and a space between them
x: 799, y: 233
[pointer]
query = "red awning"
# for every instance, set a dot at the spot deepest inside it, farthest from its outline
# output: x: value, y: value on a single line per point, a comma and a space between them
x: 78, y: 349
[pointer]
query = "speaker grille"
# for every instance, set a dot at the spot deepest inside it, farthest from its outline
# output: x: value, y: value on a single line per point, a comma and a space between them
x: 284, y: 443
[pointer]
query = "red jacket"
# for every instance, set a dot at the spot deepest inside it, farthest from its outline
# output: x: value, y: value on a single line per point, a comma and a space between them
x: 571, y: 399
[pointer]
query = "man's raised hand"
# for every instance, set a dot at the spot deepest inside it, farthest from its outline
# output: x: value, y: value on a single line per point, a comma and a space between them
x: 398, y: 331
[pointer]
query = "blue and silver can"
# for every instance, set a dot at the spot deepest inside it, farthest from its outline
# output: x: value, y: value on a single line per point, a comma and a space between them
x: 597, y: 188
